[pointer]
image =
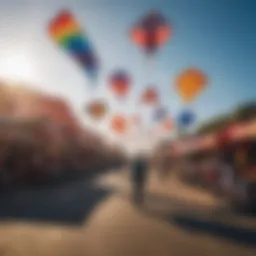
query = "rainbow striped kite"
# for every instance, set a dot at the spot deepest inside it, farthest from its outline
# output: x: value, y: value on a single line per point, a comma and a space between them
x: 66, y: 32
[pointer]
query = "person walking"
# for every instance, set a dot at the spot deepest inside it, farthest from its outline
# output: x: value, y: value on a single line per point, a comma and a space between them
x: 139, y: 175
x: 227, y: 179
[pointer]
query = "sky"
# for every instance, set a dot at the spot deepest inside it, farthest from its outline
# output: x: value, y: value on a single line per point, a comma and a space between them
x: 215, y: 36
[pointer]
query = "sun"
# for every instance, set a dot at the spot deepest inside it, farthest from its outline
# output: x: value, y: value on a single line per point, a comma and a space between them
x: 17, y: 66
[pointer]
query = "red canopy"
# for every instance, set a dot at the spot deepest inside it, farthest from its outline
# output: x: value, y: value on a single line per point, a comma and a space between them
x: 238, y: 132
x: 194, y: 144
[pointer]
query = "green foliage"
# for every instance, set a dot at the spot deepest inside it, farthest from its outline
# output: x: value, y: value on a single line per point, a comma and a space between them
x: 215, y: 124
x: 244, y: 112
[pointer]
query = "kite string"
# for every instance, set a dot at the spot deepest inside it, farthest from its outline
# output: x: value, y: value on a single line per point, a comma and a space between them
x: 179, y: 130
x: 149, y: 74
x: 151, y: 80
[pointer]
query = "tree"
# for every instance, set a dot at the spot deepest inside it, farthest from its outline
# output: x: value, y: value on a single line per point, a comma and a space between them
x: 215, y: 124
x: 243, y: 113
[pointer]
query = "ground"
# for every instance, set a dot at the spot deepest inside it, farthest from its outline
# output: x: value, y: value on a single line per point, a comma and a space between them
x: 175, y: 220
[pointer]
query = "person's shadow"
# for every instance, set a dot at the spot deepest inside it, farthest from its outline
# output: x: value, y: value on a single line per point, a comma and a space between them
x: 198, y: 218
x: 65, y: 202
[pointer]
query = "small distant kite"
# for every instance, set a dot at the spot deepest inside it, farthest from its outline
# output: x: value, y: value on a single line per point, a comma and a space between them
x: 168, y: 124
x: 150, y: 96
x: 66, y: 32
x: 186, y: 118
x: 190, y: 84
x: 120, y: 83
x: 151, y: 32
x: 119, y: 124
x: 97, y: 109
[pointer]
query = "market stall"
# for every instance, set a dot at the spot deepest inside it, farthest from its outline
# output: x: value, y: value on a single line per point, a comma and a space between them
x: 237, y: 144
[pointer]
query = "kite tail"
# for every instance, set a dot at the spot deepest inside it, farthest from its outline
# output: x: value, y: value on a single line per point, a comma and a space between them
x: 93, y: 90
x: 93, y: 77
x: 93, y: 82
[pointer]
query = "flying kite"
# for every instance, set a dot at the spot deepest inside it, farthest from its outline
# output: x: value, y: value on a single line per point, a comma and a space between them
x: 150, y: 96
x: 97, y: 109
x: 186, y: 118
x: 190, y: 84
x: 64, y: 29
x: 151, y: 32
x: 120, y: 83
x: 118, y: 124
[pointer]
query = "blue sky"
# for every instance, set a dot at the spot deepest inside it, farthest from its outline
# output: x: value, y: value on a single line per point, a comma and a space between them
x: 215, y: 36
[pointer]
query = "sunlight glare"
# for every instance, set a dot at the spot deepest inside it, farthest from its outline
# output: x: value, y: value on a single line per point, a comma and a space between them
x: 17, y: 67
